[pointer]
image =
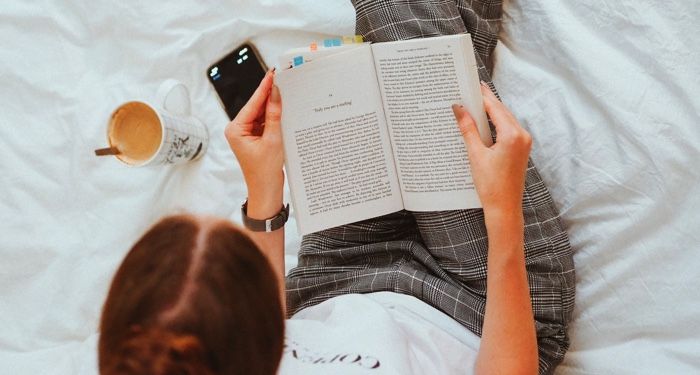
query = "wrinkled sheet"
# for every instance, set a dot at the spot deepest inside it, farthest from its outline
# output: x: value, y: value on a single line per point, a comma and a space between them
x: 68, y: 218
x: 609, y: 92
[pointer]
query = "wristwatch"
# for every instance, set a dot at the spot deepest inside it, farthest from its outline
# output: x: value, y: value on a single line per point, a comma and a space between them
x: 268, y: 225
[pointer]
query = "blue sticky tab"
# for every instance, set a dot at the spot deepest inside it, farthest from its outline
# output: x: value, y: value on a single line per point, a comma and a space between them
x: 328, y: 42
x: 337, y: 42
x: 298, y: 60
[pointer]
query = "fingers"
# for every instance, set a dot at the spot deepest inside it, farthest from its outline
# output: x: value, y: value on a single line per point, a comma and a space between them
x: 273, y: 113
x: 508, y: 128
x: 467, y: 127
x: 500, y: 117
x: 256, y: 103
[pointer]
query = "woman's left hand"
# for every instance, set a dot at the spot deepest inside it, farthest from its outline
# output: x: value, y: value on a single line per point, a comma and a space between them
x: 256, y: 139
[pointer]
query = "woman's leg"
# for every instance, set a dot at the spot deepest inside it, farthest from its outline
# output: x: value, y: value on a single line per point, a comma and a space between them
x: 457, y: 240
x: 390, y: 20
x: 362, y: 257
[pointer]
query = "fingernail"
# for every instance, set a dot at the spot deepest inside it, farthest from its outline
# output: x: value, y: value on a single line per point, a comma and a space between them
x: 483, y: 83
x: 457, y: 109
x: 273, y: 69
x: 275, y: 94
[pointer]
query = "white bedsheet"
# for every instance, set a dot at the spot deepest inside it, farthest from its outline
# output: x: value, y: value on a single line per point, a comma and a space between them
x: 609, y: 93
x: 68, y: 217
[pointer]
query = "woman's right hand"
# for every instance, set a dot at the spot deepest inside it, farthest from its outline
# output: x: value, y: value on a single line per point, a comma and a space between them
x: 499, y: 170
x: 255, y: 138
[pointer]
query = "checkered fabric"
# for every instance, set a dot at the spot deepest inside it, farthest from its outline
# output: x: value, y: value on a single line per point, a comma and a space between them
x: 440, y: 257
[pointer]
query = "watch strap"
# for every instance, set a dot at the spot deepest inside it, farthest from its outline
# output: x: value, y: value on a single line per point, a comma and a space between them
x: 267, y: 225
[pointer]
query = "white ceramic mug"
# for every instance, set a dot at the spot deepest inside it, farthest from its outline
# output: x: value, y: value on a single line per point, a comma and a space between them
x: 134, y: 128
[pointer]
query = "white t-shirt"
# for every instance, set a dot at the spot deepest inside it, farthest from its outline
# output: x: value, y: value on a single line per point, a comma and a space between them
x: 377, y: 333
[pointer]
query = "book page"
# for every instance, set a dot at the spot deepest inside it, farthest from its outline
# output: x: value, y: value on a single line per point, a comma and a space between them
x: 338, y: 154
x: 420, y: 80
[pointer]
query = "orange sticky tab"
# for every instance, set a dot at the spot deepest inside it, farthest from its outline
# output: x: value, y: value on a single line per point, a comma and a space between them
x: 313, y: 46
x: 347, y: 40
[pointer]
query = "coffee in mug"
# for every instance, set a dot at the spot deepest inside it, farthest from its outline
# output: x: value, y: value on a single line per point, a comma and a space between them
x: 140, y: 134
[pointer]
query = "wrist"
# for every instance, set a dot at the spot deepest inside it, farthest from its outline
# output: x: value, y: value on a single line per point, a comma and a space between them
x: 502, y: 219
x: 263, y: 207
x: 506, y: 237
x: 261, y: 182
x: 265, y: 198
x: 503, y: 211
x: 265, y: 192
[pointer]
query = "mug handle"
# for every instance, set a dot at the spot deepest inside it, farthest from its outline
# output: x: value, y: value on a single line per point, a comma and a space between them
x: 174, y: 96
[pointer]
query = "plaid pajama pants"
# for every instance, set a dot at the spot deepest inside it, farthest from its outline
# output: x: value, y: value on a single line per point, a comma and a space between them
x: 440, y: 257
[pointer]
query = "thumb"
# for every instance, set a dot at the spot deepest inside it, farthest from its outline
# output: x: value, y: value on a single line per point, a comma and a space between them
x: 273, y: 112
x: 467, y: 127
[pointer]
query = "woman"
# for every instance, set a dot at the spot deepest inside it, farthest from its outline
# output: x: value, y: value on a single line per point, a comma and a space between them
x: 194, y: 294
x: 204, y: 299
x: 432, y: 264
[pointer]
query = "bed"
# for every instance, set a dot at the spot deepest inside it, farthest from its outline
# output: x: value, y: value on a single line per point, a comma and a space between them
x: 609, y: 92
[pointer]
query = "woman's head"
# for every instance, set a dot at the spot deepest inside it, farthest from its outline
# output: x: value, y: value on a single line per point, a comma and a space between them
x: 193, y: 296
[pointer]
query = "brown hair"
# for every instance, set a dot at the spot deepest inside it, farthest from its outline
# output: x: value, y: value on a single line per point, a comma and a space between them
x: 192, y: 299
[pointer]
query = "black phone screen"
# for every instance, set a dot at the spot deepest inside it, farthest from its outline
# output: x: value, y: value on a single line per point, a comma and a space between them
x: 235, y: 78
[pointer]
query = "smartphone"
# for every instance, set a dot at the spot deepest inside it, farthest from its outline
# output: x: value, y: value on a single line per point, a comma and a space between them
x: 236, y: 76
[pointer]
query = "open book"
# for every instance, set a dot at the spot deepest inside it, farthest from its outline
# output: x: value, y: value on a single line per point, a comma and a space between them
x: 369, y: 130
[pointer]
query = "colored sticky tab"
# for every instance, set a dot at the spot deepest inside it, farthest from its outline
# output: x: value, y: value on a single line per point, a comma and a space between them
x: 298, y: 60
x: 313, y: 46
x: 348, y: 40
x: 359, y: 39
x: 328, y: 42
x: 337, y: 42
